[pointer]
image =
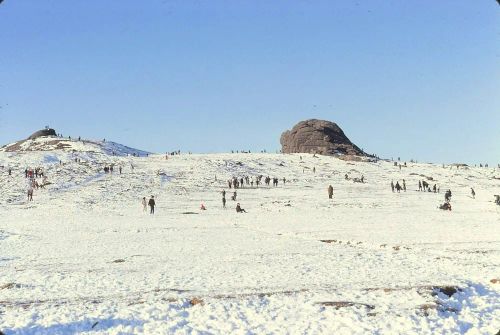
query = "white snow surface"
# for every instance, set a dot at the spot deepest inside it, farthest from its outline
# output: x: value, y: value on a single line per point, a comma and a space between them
x: 83, y: 257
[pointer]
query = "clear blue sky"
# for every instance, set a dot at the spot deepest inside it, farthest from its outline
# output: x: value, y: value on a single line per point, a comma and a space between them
x: 417, y: 79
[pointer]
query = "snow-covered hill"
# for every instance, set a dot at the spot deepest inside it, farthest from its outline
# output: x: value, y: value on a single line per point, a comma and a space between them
x: 51, y: 143
x: 83, y: 257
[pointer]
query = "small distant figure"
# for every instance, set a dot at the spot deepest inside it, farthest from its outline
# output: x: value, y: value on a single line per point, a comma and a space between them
x: 202, y: 207
x: 152, y: 204
x: 224, y: 201
x: 314, y: 169
x: 234, y: 196
x: 404, y: 185
x: 473, y: 193
x: 30, y: 194
x: 330, y: 192
x: 392, y: 186
x: 144, y: 204
x: 239, y: 209
x: 120, y: 169
x: 362, y: 178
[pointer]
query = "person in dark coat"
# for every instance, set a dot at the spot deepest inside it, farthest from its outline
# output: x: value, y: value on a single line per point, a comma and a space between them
x: 398, y: 187
x: 330, y: 192
x: 152, y: 204
x: 473, y: 193
x: 447, y: 196
x: 239, y: 209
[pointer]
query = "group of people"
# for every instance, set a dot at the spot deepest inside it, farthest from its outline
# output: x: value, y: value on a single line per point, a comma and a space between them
x: 425, y: 187
x: 249, y: 181
x: 151, y: 203
x: 398, y: 187
x: 32, y: 175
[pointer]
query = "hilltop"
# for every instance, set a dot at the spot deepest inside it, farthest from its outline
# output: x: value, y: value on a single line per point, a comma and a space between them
x: 50, y: 143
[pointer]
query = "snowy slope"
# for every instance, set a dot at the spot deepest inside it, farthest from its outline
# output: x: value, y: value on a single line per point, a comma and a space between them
x: 84, y: 258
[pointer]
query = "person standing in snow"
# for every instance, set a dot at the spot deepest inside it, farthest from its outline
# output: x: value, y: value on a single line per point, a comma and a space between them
x: 330, y: 192
x: 404, y: 185
x: 152, y: 204
x: 224, y: 200
x: 398, y: 187
x: 30, y: 193
x: 473, y: 193
x: 447, y: 196
x: 392, y: 186
x: 144, y: 204
x: 419, y: 186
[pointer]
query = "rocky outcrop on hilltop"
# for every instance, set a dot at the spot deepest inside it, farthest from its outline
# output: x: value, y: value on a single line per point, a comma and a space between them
x: 43, y: 133
x: 318, y: 137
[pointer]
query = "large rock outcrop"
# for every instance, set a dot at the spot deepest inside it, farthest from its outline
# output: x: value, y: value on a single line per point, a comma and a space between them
x: 319, y: 137
x: 42, y: 133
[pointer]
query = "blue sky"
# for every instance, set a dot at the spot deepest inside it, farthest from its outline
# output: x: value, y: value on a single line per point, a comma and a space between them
x: 416, y: 79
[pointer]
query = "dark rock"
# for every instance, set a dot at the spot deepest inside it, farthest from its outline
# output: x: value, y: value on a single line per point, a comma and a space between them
x: 446, y: 290
x: 318, y: 137
x: 43, y: 132
x: 196, y: 301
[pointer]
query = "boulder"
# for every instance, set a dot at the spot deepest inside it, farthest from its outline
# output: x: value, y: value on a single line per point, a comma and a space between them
x: 318, y: 137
